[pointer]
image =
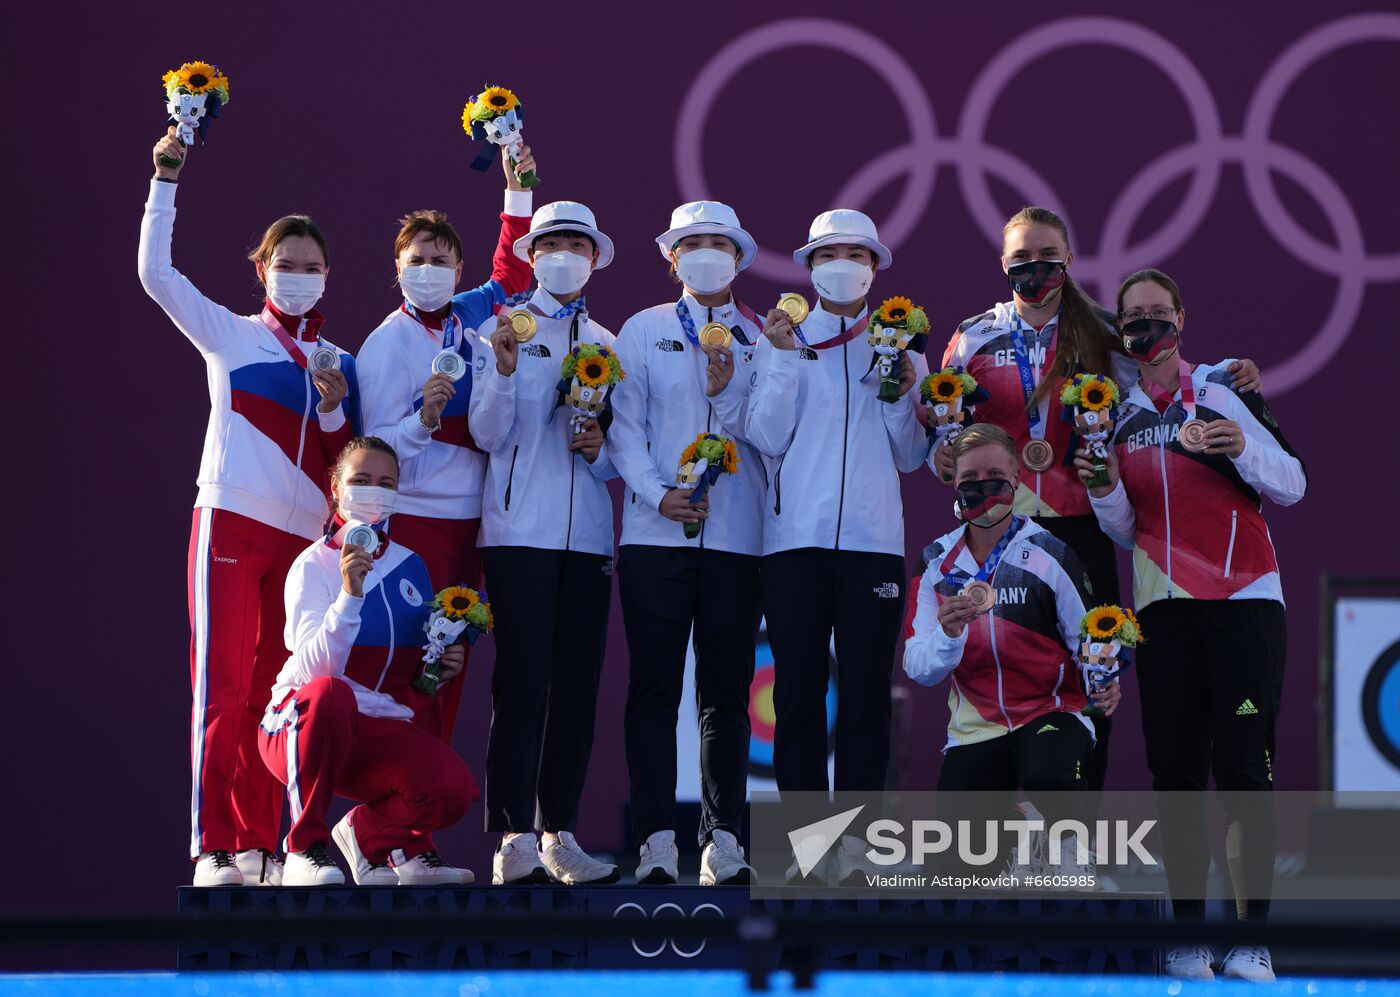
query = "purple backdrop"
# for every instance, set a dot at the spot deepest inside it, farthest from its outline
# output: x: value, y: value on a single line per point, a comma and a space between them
x: 356, y: 121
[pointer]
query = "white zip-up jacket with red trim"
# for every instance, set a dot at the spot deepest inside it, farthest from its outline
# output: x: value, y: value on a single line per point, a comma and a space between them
x: 1194, y: 520
x: 1020, y: 660
x: 663, y: 408
x: 539, y: 493
x: 441, y: 473
x: 838, y: 450
x: 267, y: 451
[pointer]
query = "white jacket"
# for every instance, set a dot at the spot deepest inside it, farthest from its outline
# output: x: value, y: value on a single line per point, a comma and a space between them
x: 663, y: 408
x: 838, y: 448
x: 538, y: 493
x: 267, y: 449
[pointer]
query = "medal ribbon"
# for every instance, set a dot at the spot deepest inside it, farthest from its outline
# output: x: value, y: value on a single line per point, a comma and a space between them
x: 688, y: 323
x: 449, y: 326
x: 1188, y: 390
x: 845, y: 337
x: 960, y: 578
x: 579, y: 304
x: 289, y: 344
x: 1029, y: 375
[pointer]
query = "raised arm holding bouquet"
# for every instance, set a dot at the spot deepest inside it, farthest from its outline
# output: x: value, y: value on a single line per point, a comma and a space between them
x: 496, y: 117
x: 194, y: 93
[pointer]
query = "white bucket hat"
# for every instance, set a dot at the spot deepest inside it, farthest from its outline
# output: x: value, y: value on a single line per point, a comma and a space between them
x: 843, y: 226
x: 707, y: 218
x: 565, y: 216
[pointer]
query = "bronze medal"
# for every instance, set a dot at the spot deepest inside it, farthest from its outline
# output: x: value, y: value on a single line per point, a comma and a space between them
x: 523, y: 324
x: 796, y: 306
x: 982, y: 596
x: 716, y: 334
x: 1193, y: 436
x: 1037, y: 455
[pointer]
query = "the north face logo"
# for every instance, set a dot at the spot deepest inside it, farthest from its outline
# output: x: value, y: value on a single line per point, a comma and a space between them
x: 806, y: 354
x: 535, y: 350
x: 889, y: 590
x: 669, y: 346
x: 1247, y: 708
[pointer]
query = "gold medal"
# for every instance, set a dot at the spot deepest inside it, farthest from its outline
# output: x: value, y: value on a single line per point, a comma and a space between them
x: 523, y: 324
x: 716, y: 334
x: 1037, y: 455
x: 1193, y: 436
x: 796, y: 306
x: 981, y: 595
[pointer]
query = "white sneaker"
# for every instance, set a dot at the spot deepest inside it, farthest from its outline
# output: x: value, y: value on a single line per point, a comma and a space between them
x: 659, y: 858
x: 1249, y: 962
x: 517, y: 861
x: 571, y: 865
x: 820, y: 873
x: 722, y: 862
x: 1190, y: 962
x: 217, y: 868
x: 313, y: 867
x: 430, y: 869
x: 364, y: 872
x: 852, y: 867
x: 259, y: 867
x: 1076, y: 876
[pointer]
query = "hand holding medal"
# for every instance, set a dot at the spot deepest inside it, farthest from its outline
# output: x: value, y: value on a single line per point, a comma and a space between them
x: 701, y: 465
x: 1090, y: 401
x: 896, y: 326
x: 194, y: 94
x: 496, y: 117
x: 457, y: 612
x: 781, y: 322
x: 1103, y: 633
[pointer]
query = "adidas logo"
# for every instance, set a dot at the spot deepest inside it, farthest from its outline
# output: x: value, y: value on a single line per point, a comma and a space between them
x: 1246, y: 709
x: 1050, y: 727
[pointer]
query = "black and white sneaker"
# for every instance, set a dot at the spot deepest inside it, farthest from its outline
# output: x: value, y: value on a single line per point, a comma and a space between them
x: 217, y: 868
x: 312, y: 867
x: 260, y: 867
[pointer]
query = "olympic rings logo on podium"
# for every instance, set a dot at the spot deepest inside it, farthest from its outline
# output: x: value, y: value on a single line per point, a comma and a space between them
x: 973, y: 159
x: 668, y: 911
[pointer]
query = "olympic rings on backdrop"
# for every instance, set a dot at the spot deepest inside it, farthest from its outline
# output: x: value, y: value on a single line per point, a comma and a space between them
x: 1114, y: 257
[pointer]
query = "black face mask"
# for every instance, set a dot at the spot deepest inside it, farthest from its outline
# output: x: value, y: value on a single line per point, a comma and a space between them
x: 1150, y: 339
x: 1036, y: 280
x: 986, y: 502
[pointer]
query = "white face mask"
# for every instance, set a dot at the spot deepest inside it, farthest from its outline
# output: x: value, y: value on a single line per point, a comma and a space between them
x: 295, y: 293
x: 428, y: 287
x: 367, y: 503
x: 842, y: 281
x: 562, y: 272
x: 706, y: 271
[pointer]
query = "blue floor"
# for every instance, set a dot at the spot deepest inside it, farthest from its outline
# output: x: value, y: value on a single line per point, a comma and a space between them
x: 624, y: 984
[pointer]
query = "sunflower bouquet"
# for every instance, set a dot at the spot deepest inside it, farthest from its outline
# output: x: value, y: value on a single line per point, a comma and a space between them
x: 588, y: 375
x: 950, y: 393
x: 1103, y: 633
x: 1091, y: 401
x: 496, y: 117
x: 701, y: 465
x: 897, y: 325
x: 194, y: 93
x: 457, y: 611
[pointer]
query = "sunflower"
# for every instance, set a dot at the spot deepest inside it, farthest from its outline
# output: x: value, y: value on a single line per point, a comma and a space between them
x: 197, y: 77
x: 498, y: 99
x: 895, y: 310
x: 1103, y: 622
x: 592, y: 371
x: 941, y: 386
x: 1094, y: 396
x: 731, y: 457
x: 457, y: 601
x: 467, y: 118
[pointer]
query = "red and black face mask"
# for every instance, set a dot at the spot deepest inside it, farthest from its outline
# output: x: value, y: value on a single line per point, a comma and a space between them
x: 986, y: 502
x: 1150, y: 340
x: 1035, y: 280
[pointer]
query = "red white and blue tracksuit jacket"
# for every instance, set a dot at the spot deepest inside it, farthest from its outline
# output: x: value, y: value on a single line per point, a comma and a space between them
x: 441, y: 473
x: 372, y: 642
x: 267, y: 451
x: 1015, y: 663
x: 1193, y: 520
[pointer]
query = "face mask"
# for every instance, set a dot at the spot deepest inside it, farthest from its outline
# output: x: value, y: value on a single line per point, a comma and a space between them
x: 562, y: 272
x: 1151, y: 340
x: 295, y: 293
x: 367, y: 503
x: 427, y: 287
x: 842, y: 281
x: 1036, y: 280
x: 706, y: 271
x: 986, y: 502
